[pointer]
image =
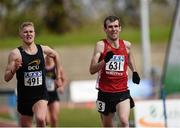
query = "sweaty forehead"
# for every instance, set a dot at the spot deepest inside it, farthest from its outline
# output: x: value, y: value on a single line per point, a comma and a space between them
x: 29, y: 27
x: 108, y: 22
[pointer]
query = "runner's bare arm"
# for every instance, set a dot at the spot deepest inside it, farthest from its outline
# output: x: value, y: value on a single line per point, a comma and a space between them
x: 64, y: 81
x: 131, y: 62
x: 54, y: 54
x: 14, y: 63
x: 95, y: 65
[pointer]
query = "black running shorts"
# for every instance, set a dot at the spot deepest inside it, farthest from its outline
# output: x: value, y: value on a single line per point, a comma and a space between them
x: 106, y: 102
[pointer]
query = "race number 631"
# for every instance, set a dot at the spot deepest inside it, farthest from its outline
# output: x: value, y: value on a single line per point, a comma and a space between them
x: 116, y: 63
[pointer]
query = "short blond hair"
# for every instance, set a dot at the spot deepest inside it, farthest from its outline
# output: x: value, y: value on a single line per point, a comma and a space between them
x: 24, y: 24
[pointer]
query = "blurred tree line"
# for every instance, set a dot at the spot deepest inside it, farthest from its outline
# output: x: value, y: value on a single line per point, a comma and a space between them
x: 60, y: 16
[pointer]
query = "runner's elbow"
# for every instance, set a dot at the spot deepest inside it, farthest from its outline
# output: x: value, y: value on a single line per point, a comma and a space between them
x: 6, y: 79
x: 92, y: 71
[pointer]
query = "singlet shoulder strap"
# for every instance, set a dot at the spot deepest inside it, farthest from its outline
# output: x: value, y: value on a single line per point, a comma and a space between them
x: 39, y: 48
x: 20, y: 48
x: 106, y: 44
x: 40, y: 52
x: 122, y: 43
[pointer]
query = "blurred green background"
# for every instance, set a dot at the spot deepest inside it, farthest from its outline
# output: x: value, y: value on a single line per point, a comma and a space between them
x: 80, y: 22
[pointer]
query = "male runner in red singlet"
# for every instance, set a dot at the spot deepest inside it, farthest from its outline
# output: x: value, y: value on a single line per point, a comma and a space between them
x: 27, y: 61
x: 111, y: 58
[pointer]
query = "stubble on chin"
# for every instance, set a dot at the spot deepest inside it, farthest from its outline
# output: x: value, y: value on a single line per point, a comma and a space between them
x: 113, y: 38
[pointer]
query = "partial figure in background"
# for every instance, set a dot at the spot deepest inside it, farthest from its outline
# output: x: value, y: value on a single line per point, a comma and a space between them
x: 54, y: 99
x: 111, y: 59
x: 27, y: 62
x: 12, y: 105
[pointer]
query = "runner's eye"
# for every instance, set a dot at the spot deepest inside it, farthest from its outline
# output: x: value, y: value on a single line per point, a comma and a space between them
x: 113, y: 26
x: 28, y: 31
x: 116, y: 26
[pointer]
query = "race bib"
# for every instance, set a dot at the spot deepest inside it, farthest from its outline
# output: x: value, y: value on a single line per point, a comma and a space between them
x: 116, y: 63
x: 33, y: 78
x: 50, y: 84
x: 100, y: 106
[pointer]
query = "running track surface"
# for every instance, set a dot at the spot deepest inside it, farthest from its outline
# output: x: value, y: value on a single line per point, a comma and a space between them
x: 7, y: 124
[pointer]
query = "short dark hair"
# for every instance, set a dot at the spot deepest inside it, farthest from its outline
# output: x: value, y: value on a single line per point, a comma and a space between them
x: 111, y: 19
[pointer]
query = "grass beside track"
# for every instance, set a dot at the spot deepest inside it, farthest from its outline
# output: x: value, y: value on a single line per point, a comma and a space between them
x: 90, y: 35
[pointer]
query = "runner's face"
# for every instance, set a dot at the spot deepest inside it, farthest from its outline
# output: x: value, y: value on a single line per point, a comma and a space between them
x: 112, y: 30
x: 27, y: 34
